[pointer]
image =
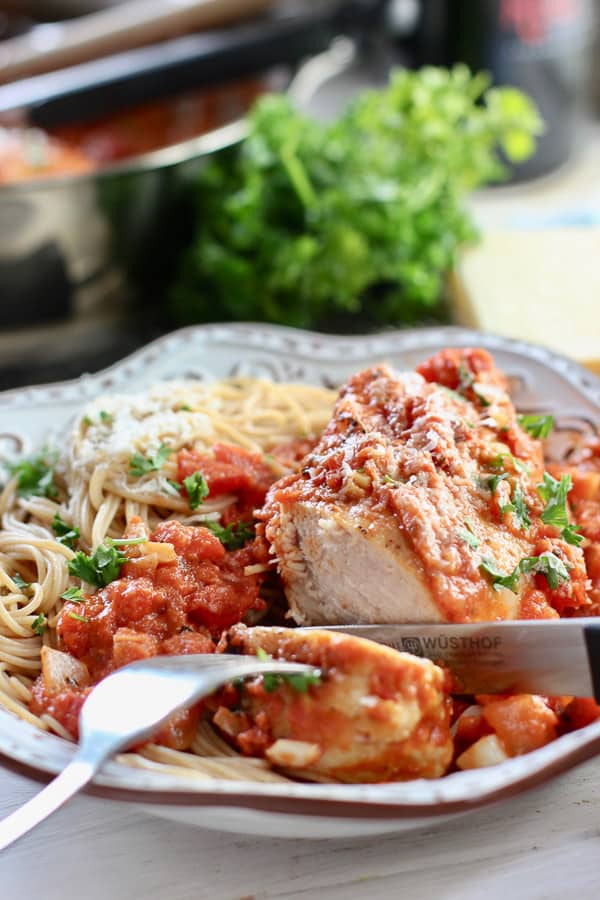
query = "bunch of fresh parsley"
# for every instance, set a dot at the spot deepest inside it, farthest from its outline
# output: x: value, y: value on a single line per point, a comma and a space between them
x: 307, y: 222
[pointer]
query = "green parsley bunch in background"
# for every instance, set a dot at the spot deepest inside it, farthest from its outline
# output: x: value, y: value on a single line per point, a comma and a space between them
x: 309, y: 224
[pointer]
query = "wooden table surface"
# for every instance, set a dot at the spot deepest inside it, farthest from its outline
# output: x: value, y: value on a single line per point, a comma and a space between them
x: 542, y: 845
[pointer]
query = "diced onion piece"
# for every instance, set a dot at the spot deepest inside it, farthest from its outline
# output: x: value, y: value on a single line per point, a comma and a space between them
x: 164, y: 552
x: 60, y: 671
x: 229, y: 722
x: 256, y: 569
x: 293, y: 754
x: 487, y: 751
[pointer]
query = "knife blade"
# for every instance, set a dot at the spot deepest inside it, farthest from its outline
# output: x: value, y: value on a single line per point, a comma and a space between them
x: 556, y: 657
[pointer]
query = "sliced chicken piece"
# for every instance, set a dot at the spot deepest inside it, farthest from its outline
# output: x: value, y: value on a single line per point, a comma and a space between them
x: 375, y: 714
x: 420, y: 496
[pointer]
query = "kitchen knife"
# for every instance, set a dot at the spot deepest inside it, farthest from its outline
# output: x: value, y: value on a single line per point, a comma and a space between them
x: 551, y: 657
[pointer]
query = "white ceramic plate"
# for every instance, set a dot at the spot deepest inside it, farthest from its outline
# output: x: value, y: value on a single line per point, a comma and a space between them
x: 541, y: 381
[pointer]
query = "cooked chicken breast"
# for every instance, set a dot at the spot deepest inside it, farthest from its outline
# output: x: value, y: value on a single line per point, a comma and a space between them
x: 374, y: 715
x: 421, y: 503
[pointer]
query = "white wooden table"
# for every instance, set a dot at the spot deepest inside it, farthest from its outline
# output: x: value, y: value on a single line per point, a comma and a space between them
x: 540, y: 846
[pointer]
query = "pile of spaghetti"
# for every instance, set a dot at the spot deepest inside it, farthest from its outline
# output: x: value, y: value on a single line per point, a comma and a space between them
x: 85, y: 527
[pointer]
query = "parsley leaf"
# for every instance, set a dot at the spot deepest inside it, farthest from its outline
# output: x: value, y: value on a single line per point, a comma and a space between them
x: 299, y: 681
x: 387, y: 479
x: 518, y: 507
x: 99, y: 569
x: 197, y: 489
x: 498, y: 463
x: 554, y: 493
x: 65, y: 534
x: 571, y: 535
x: 491, y: 482
x: 466, y: 378
x: 73, y: 595
x: 141, y: 465
x: 547, y: 564
x: 469, y: 536
x: 35, y: 477
x: 537, y: 426
x: 105, y: 417
x: 77, y: 617
x: 232, y: 536
x: 499, y: 579
x: 20, y: 582
x: 39, y: 624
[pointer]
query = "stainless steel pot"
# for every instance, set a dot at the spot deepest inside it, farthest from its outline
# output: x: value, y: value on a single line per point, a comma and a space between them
x: 74, y: 245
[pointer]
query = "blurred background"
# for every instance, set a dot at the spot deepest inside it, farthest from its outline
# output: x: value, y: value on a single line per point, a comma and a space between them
x: 124, y: 159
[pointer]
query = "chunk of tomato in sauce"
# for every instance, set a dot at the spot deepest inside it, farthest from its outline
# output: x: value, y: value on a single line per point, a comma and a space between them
x: 229, y: 470
x: 146, y: 611
x: 64, y: 706
x: 448, y: 367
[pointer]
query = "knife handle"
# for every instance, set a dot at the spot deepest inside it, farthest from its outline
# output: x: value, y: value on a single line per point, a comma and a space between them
x: 592, y: 643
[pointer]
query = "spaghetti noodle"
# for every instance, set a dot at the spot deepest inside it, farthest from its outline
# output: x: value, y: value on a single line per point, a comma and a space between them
x: 94, y: 490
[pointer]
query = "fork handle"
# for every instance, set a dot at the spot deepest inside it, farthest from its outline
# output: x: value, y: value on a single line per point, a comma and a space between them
x: 71, y: 779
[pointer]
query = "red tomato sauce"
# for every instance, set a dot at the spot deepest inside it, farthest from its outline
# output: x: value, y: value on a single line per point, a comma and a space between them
x: 174, y: 607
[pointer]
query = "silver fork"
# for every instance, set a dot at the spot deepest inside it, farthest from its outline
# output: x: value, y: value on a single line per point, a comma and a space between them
x: 127, y: 707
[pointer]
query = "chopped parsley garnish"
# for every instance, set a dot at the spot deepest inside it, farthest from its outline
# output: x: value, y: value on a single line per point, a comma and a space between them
x: 498, y: 463
x: 389, y: 480
x: 299, y: 681
x: 469, y: 536
x: 106, y: 418
x: 35, y: 476
x: 184, y: 408
x: 73, y: 595
x: 499, y: 579
x: 491, y: 482
x: 465, y: 378
x: 232, y: 536
x: 538, y: 426
x: 99, y: 569
x: 518, y: 507
x: 481, y: 397
x: 20, y: 582
x: 466, y: 381
x: 571, y: 535
x: 65, y: 534
x: 554, y: 494
x: 141, y: 465
x: 39, y: 624
x: 547, y: 564
x: 77, y: 617
x: 197, y: 489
